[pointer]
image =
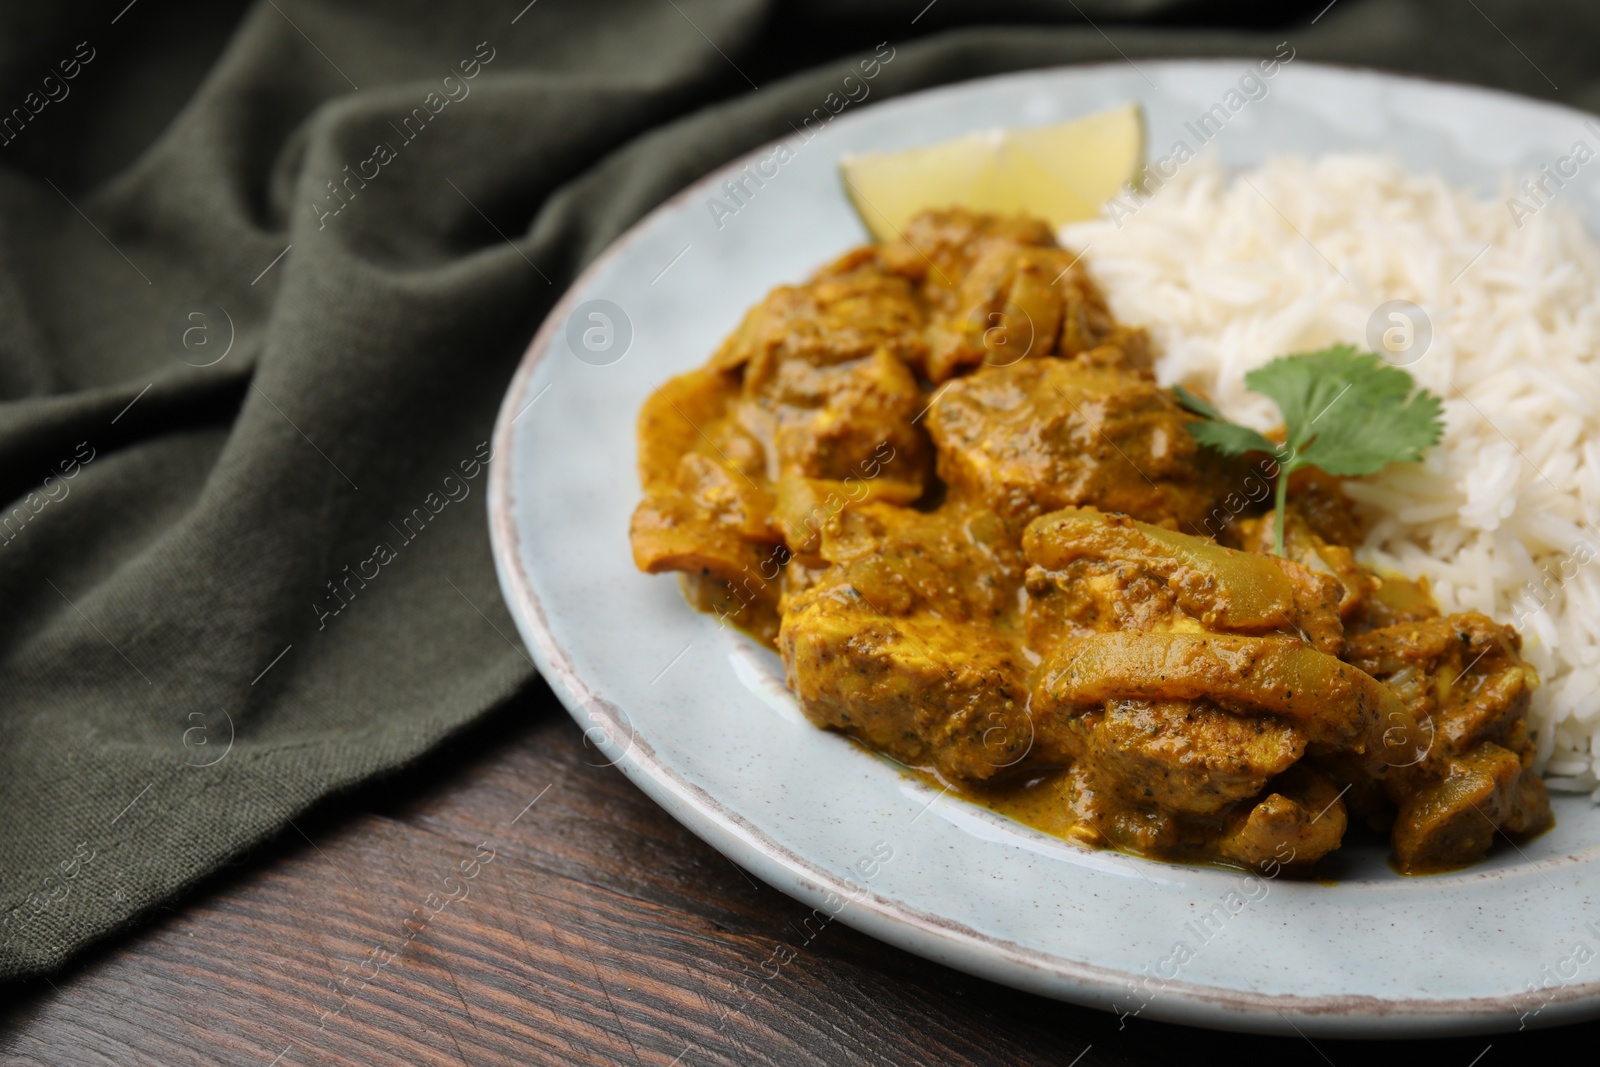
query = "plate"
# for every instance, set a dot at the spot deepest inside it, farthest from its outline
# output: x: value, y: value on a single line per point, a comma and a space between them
x: 698, y: 717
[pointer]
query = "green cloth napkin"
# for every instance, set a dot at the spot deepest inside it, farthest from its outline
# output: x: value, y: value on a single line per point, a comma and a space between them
x: 265, y: 272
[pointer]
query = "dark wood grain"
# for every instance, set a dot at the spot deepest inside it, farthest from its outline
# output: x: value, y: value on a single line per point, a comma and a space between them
x: 600, y: 932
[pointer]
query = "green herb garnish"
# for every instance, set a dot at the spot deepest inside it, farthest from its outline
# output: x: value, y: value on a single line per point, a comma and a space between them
x: 1345, y: 412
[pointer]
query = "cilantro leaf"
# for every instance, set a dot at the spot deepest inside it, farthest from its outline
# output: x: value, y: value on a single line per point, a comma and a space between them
x: 1231, y: 440
x: 1345, y: 411
x: 1348, y: 412
x: 1196, y: 405
x: 1226, y: 437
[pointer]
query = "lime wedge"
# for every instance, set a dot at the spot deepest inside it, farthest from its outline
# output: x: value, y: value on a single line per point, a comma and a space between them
x: 1062, y: 172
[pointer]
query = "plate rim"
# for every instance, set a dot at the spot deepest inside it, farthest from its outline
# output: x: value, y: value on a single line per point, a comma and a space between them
x: 928, y: 935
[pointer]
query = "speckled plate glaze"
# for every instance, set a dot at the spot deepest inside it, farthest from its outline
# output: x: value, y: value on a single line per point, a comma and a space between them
x: 699, y: 719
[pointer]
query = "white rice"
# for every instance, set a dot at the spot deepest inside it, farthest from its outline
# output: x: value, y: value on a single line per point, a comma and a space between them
x: 1228, y: 274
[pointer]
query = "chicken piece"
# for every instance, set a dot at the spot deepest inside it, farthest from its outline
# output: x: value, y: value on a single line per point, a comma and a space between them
x: 1103, y: 819
x: 1300, y: 820
x: 1452, y: 821
x: 998, y: 288
x: 1019, y: 302
x: 1154, y: 775
x: 1044, y: 434
x: 1464, y: 674
x: 904, y: 642
x: 938, y: 249
x: 805, y: 506
x: 824, y: 373
x: 1274, y: 812
x: 947, y: 694
x: 1465, y: 684
x: 826, y: 385
x: 1091, y: 571
x: 1092, y: 596
x: 849, y: 310
x: 841, y: 421
x: 1191, y: 757
x: 958, y: 564
x: 706, y: 501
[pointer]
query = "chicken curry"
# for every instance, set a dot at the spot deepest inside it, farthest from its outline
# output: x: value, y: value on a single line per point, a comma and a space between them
x: 942, y: 481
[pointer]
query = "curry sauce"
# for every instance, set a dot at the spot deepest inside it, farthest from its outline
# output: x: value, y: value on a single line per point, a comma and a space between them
x: 943, y: 483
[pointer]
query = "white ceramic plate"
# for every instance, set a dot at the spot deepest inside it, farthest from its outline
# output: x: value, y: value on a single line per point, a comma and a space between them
x: 698, y: 717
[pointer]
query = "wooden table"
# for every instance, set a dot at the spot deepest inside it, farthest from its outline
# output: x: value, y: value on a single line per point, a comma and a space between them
x: 600, y: 931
